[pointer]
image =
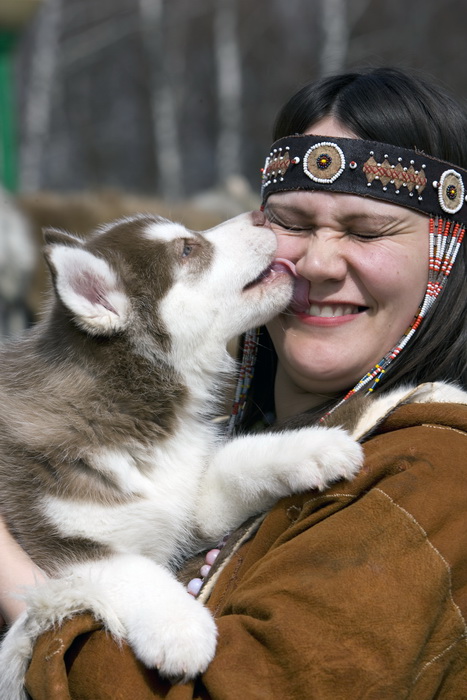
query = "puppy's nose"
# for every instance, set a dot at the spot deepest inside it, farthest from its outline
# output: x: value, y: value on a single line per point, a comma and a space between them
x: 258, y: 218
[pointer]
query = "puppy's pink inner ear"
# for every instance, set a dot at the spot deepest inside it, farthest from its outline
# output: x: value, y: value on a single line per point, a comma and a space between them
x: 93, y: 288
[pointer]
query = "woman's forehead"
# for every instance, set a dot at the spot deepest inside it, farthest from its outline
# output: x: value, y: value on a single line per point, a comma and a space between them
x: 313, y: 203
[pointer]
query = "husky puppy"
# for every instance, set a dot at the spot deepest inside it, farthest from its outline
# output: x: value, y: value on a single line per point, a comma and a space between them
x: 111, y: 469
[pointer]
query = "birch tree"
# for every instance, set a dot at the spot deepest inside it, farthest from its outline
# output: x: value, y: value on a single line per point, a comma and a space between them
x: 167, y: 150
x: 333, y: 14
x: 229, y: 89
x: 39, y: 95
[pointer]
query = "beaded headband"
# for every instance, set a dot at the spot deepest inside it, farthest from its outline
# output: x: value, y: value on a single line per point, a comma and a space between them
x: 370, y: 169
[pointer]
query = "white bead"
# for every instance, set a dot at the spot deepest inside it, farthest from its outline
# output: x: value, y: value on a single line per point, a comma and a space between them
x: 211, y: 556
x: 194, y: 586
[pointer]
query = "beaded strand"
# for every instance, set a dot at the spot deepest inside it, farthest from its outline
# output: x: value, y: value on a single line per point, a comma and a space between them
x: 245, y: 376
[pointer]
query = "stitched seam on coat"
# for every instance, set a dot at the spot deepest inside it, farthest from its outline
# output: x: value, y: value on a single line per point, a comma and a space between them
x: 299, y: 509
x: 440, y: 655
x: 228, y: 587
x: 329, y: 495
x: 448, y: 568
x: 445, y: 427
x: 58, y: 650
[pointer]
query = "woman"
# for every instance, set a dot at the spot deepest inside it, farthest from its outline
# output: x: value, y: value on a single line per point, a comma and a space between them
x: 360, y: 591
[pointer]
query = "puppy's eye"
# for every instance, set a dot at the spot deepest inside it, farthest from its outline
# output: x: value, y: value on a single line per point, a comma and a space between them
x: 187, y: 249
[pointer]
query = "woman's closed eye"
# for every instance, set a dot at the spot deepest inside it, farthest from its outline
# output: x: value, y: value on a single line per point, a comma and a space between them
x: 284, y: 225
x: 365, y: 235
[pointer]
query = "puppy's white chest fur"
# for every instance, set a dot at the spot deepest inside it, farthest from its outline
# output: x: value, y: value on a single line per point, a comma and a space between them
x: 160, y: 484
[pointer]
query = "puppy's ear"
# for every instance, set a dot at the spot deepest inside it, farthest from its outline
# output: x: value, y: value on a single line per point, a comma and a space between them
x: 87, y: 285
x: 56, y: 235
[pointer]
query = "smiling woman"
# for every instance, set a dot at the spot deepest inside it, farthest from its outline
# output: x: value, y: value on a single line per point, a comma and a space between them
x: 366, y: 203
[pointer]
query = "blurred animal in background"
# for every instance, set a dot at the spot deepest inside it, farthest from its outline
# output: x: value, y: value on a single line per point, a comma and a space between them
x: 18, y: 265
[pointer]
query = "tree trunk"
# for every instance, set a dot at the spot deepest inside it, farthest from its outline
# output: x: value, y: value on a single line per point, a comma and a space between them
x: 39, y: 95
x: 163, y: 100
x: 229, y: 89
x: 335, y: 36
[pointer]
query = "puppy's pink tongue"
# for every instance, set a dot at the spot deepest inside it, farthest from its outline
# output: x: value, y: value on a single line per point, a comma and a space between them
x: 281, y: 264
x: 300, y: 300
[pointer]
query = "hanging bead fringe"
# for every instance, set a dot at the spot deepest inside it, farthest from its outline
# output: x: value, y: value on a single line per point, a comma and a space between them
x: 245, y: 376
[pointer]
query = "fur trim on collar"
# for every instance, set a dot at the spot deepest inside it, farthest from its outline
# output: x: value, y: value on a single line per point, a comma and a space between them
x: 430, y: 392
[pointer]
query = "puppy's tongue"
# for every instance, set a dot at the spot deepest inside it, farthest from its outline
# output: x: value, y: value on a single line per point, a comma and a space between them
x: 301, y: 285
x: 300, y: 295
x: 282, y: 264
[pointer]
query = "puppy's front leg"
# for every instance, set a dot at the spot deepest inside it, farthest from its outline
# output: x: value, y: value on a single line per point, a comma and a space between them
x: 250, y: 473
x: 137, y: 600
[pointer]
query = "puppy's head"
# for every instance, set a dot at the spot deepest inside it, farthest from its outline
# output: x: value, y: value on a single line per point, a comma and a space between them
x: 149, y: 277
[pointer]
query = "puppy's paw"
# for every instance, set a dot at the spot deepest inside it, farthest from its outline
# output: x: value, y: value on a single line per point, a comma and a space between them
x: 180, y: 644
x: 333, y: 455
x: 342, y: 459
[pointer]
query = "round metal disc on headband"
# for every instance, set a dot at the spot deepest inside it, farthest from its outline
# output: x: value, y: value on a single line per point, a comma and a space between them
x: 324, y: 162
x: 451, y: 191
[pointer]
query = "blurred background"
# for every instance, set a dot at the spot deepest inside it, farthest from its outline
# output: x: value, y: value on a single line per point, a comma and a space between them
x: 110, y: 107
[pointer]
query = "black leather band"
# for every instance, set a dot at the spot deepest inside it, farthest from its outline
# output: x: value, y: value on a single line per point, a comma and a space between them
x: 369, y: 169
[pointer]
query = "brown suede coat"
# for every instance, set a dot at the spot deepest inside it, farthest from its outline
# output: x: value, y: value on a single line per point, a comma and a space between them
x: 357, y: 592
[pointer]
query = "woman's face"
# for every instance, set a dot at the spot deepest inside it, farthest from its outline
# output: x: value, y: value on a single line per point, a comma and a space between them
x: 362, y: 270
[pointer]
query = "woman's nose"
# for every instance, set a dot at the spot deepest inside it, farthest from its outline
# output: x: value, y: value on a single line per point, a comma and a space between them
x: 323, y: 259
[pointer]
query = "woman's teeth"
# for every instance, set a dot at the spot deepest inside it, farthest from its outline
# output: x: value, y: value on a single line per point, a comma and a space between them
x: 327, y: 311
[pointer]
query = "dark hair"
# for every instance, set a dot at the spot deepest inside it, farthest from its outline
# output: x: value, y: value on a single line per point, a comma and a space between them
x: 391, y: 106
